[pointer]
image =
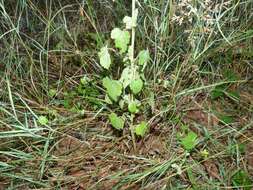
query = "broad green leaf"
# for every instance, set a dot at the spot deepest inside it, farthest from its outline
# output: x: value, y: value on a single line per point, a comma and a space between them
x: 189, y: 141
x: 104, y: 57
x: 132, y: 107
x: 121, y: 38
x: 141, y: 129
x: 143, y: 57
x: 128, y: 22
x: 127, y: 76
x: 43, y: 120
x: 131, y: 22
x: 226, y: 119
x: 242, y: 179
x: 116, y: 122
x: 113, y: 88
x: 136, y: 86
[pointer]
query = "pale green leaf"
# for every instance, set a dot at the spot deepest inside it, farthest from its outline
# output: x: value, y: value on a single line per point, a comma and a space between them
x: 131, y: 22
x: 104, y: 57
x: 136, y: 86
x: 116, y: 122
x: 113, y: 88
x: 189, y: 141
x: 204, y: 153
x: 141, y: 128
x: 128, y: 22
x: 132, y: 107
x: 126, y: 77
x: 43, y: 120
x: 143, y: 57
x: 121, y: 38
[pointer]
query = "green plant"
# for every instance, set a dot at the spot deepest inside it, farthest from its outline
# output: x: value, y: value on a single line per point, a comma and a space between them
x: 128, y: 87
x: 187, y: 138
x: 43, y: 120
x: 242, y: 179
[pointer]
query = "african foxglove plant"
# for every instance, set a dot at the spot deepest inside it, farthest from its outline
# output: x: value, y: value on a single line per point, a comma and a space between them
x: 125, y: 90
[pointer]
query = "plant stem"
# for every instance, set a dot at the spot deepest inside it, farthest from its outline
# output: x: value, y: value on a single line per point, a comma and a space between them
x: 132, y: 132
x: 132, y: 39
x: 132, y: 70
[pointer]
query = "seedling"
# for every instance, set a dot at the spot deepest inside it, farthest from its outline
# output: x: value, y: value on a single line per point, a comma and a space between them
x: 43, y: 120
x: 187, y: 138
x: 204, y: 154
